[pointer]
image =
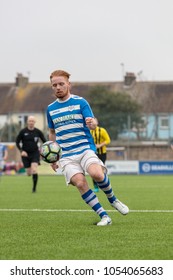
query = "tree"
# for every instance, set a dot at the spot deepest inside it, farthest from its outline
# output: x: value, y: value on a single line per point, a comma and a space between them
x: 9, y: 131
x: 113, y: 109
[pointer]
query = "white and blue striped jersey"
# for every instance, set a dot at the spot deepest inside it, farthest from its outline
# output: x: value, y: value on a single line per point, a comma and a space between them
x: 68, y: 120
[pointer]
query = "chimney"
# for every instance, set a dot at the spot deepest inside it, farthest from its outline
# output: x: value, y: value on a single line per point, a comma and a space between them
x: 129, y: 78
x: 21, y: 81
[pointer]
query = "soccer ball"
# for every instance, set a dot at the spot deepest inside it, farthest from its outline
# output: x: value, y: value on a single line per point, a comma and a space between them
x: 50, y: 151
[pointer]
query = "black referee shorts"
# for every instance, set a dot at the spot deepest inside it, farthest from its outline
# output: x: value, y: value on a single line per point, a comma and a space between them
x: 32, y: 157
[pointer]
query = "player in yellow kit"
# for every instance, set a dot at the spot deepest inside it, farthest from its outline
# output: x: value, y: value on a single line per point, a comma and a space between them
x: 101, y: 140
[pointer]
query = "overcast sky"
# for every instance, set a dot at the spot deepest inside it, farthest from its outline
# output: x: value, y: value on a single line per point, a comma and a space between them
x: 94, y: 40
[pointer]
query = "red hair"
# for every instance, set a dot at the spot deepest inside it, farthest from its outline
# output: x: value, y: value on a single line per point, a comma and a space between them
x: 58, y: 73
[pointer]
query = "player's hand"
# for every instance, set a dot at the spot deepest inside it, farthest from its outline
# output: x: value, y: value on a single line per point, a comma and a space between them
x: 54, y: 166
x: 98, y: 146
x: 91, y: 123
x: 24, y: 154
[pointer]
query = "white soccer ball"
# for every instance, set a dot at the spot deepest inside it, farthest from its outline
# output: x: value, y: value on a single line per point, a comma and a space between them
x: 50, y: 151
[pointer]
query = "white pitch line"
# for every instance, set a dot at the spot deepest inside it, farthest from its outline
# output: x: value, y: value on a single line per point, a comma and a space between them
x: 79, y: 210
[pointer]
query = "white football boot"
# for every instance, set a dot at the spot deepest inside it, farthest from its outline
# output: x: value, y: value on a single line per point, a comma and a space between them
x: 105, y: 221
x: 122, y: 208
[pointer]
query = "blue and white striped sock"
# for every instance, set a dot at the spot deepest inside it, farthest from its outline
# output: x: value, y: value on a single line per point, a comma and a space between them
x: 91, y: 199
x: 105, y: 186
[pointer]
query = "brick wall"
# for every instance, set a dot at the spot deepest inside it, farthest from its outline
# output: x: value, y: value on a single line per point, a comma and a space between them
x: 138, y: 152
x: 163, y: 153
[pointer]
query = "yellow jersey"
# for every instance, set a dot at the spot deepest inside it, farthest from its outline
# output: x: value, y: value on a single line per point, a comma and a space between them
x: 100, y: 135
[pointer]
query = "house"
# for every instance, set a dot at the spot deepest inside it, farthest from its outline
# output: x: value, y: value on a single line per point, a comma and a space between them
x: 22, y: 98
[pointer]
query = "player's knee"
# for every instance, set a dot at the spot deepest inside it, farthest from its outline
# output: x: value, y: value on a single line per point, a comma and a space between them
x: 79, y: 181
x: 96, y: 172
x: 82, y: 188
x: 97, y: 175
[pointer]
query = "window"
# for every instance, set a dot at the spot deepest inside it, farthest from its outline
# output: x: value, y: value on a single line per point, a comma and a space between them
x: 22, y: 120
x: 164, y: 122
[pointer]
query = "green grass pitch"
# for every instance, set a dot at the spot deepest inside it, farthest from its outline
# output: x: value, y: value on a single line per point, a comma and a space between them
x: 55, y: 223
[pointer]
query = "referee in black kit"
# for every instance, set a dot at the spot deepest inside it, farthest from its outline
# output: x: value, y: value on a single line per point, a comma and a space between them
x: 27, y: 143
